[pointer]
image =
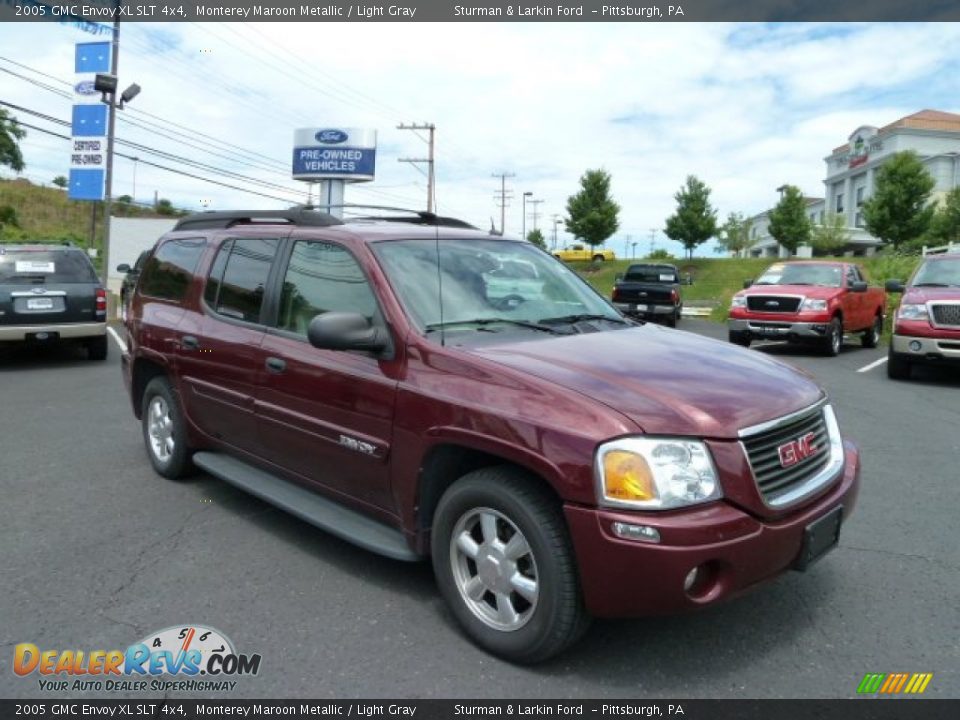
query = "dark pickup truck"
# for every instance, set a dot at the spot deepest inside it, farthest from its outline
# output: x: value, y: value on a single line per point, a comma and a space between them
x: 649, y: 291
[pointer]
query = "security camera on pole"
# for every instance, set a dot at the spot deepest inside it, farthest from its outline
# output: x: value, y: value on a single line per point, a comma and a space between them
x: 334, y: 157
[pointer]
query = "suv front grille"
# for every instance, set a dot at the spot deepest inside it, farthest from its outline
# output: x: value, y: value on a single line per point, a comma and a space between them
x: 946, y: 314
x: 773, y: 303
x: 763, y: 450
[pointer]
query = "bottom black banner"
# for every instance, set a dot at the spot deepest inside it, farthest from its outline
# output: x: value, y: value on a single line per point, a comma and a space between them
x: 861, y: 709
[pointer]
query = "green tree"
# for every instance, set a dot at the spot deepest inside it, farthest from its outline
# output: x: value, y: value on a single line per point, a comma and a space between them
x: 10, y: 133
x: 831, y: 236
x: 8, y: 218
x: 945, y: 225
x: 900, y: 208
x: 695, y: 220
x: 60, y: 181
x: 592, y: 213
x: 789, y: 224
x: 536, y: 237
x: 660, y: 254
x: 735, y: 235
x: 165, y: 207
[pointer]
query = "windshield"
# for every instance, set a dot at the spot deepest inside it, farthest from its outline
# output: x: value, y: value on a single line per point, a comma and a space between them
x: 484, y: 281
x: 651, y: 274
x: 800, y: 274
x: 938, y: 273
x: 45, y: 266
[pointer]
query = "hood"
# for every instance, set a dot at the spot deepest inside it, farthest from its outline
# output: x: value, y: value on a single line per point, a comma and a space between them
x: 919, y: 295
x: 667, y: 381
x: 812, y: 291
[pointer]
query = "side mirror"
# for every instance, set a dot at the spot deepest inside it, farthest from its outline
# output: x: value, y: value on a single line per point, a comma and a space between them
x: 894, y: 286
x: 345, y: 331
x: 858, y: 287
x: 747, y: 283
x: 123, y: 267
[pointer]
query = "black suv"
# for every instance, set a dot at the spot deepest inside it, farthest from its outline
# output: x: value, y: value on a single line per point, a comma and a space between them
x: 51, y: 293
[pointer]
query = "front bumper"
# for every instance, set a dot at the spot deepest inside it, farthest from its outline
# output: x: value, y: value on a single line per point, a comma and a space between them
x: 66, y: 331
x: 926, y: 348
x: 779, y: 329
x: 629, y: 578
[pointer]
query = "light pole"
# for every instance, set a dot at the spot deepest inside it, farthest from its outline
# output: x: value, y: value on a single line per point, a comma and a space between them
x: 556, y: 221
x: 523, y: 222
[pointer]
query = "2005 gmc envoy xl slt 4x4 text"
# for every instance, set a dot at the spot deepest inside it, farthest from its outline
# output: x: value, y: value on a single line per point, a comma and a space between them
x: 392, y: 381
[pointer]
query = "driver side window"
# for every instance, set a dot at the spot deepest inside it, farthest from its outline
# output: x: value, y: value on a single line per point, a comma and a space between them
x: 322, y: 277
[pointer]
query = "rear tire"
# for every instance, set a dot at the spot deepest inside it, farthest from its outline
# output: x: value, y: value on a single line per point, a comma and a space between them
x: 97, y: 348
x: 165, y: 431
x: 898, y: 366
x: 671, y: 321
x: 871, y: 338
x: 739, y: 338
x: 505, y: 565
x: 598, y: 258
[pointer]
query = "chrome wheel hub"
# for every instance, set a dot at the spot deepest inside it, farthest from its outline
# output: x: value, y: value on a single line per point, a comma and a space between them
x: 160, y: 429
x: 494, y: 569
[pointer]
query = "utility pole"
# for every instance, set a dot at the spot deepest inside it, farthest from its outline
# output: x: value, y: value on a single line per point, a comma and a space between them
x: 653, y: 235
x: 535, y: 213
x: 429, y: 160
x: 523, y: 220
x: 626, y: 247
x: 503, y: 197
x: 108, y: 175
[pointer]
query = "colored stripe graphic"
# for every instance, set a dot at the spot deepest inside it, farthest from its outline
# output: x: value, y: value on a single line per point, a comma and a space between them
x: 894, y: 683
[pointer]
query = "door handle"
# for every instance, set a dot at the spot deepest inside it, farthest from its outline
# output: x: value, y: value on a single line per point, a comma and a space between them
x: 189, y: 342
x: 276, y: 365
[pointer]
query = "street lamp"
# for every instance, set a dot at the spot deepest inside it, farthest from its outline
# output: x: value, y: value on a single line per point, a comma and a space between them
x: 106, y: 84
x: 556, y: 221
x: 523, y: 222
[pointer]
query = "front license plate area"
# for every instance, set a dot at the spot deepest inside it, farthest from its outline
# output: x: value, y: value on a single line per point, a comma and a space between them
x: 819, y: 538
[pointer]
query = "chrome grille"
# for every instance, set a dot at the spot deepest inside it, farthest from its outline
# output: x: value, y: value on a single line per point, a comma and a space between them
x: 773, y: 303
x: 946, y: 314
x: 763, y: 451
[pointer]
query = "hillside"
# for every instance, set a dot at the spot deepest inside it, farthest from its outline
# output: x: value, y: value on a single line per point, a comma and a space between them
x: 45, y: 213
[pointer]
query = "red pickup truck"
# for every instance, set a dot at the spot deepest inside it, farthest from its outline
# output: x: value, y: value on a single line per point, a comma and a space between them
x: 808, y: 301
x: 927, y: 325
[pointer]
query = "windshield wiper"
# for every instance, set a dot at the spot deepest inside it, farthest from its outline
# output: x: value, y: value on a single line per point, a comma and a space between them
x: 483, y: 322
x: 570, y: 319
x: 931, y: 284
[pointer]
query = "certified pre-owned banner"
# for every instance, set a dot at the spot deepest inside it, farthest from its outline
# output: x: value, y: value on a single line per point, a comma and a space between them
x: 96, y: 12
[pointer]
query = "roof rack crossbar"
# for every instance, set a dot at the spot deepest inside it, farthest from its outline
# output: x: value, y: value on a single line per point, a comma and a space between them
x: 295, y: 216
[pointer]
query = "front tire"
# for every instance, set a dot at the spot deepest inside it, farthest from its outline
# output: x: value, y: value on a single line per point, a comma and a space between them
x: 834, y: 339
x: 164, y: 431
x: 898, y: 366
x: 871, y: 338
x: 739, y: 338
x: 505, y: 566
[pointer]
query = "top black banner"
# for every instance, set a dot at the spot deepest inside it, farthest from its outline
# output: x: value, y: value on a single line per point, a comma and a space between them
x: 108, y: 11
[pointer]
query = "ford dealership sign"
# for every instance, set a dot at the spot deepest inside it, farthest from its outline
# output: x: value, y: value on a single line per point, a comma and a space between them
x: 347, y: 154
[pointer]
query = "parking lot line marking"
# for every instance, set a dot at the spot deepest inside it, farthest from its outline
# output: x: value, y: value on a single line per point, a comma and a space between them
x: 871, y: 366
x: 120, y: 343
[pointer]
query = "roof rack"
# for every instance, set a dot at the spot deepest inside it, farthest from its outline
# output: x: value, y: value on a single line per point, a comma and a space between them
x: 413, y: 217
x: 294, y: 216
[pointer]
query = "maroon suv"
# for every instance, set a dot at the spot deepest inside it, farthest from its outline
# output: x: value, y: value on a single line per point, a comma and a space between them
x: 380, y: 379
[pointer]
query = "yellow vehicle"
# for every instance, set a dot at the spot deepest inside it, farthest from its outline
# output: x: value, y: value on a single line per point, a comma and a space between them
x: 584, y: 252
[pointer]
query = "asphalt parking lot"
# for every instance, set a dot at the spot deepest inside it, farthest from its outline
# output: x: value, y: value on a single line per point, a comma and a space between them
x: 98, y: 551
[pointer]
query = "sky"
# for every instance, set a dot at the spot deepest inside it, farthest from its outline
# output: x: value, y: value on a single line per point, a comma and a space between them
x: 746, y: 108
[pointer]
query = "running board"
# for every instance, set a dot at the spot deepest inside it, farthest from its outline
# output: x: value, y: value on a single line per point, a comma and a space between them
x: 306, y: 505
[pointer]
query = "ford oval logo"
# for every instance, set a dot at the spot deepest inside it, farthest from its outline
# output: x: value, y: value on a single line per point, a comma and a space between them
x: 331, y: 137
x: 85, y: 87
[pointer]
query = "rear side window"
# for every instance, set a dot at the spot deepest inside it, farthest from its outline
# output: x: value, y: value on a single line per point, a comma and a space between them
x: 167, y: 274
x: 238, y: 277
x: 322, y: 277
x: 45, y: 267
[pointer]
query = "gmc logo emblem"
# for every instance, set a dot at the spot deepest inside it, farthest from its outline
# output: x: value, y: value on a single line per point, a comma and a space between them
x: 796, y: 450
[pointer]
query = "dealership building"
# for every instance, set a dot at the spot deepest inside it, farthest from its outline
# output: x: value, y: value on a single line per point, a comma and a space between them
x: 851, y: 171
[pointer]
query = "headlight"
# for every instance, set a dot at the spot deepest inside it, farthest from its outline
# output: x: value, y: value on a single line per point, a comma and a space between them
x: 913, y: 312
x: 813, y: 304
x: 655, y: 473
x: 739, y: 301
